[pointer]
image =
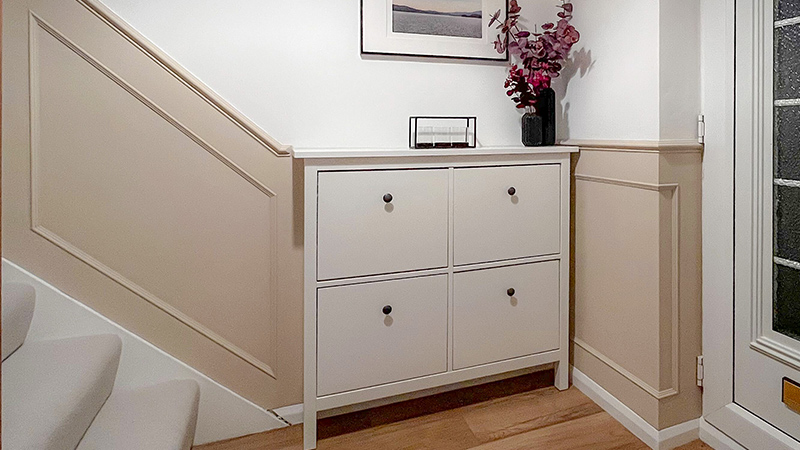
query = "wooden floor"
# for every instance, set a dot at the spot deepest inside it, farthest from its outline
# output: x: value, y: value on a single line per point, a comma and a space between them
x: 521, y: 413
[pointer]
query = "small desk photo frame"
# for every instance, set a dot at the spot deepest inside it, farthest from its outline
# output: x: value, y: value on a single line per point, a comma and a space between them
x: 442, y: 132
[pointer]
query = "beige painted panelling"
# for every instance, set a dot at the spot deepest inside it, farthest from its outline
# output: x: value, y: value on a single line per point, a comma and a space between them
x: 685, y: 169
x: 136, y: 194
x: 617, y: 298
x: 637, y: 281
x: 629, y: 166
x: 642, y: 403
x: 145, y: 201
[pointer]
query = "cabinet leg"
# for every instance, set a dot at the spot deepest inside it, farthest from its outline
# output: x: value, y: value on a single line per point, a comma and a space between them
x: 309, y: 429
x: 562, y: 375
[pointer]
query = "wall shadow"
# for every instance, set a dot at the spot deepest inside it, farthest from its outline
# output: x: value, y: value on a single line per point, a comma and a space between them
x: 580, y: 64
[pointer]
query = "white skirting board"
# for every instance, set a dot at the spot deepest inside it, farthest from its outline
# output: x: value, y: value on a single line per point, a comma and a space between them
x: 223, y: 414
x: 292, y: 414
x: 656, y: 439
x: 717, y: 439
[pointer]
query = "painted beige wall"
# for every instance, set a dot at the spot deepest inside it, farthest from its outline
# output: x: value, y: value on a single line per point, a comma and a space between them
x: 637, y: 280
x: 157, y: 205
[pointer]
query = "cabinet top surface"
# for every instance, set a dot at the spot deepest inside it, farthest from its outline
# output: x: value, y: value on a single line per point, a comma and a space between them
x: 311, y: 153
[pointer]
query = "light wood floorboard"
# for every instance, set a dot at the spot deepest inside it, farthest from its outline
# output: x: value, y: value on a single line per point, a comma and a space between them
x: 513, y: 414
x: 598, y: 431
x: 695, y: 445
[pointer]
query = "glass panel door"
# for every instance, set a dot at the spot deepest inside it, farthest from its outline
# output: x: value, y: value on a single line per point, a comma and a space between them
x: 786, y: 191
x: 767, y: 227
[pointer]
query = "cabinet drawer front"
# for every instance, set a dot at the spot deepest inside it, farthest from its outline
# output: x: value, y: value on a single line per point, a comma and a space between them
x: 358, y: 345
x: 490, y: 224
x: 489, y: 325
x: 360, y: 233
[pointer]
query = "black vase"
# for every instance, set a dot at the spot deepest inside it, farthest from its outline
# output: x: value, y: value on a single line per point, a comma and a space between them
x: 532, y: 132
x: 539, y: 128
x: 546, y: 107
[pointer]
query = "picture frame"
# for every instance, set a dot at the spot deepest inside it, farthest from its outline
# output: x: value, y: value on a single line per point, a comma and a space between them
x: 432, y: 28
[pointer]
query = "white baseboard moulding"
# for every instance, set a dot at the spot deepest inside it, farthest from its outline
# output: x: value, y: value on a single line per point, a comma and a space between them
x: 665, y: 439
x: 222, y: 413
x: 292, y: 414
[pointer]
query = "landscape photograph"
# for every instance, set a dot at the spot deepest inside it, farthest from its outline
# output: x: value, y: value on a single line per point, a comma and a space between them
x: 456, y: 18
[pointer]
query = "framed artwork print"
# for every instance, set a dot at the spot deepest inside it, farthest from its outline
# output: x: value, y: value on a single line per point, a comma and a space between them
x: 438, y: 28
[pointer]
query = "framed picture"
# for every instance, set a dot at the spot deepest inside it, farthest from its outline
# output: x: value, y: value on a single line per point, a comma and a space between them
x: 438, y: 28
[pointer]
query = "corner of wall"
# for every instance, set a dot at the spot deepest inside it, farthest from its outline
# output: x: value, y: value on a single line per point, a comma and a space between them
x: 637, y: 314
x: 679, y: 69
x: 642, y: 194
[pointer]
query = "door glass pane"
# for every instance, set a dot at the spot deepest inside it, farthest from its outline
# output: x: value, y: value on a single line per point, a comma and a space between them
x: 786, y: 198
x: 787, y: 301
x: 786, y: 9
x: 787, y: 136
x: 787, y: 222
x: 787, y: 61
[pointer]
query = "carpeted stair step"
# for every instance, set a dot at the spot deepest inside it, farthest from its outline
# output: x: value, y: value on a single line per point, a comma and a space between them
x: 52, y: 390
x: 160, y: 417
x: 17, y: 306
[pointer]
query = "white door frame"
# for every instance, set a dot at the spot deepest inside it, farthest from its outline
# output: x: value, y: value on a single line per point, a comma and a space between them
x: 721, y: 21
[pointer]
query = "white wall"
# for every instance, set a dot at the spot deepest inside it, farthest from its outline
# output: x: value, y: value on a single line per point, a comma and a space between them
x: 297, y: 71
x: 614, y: 92
x: 638, y: 71
x: 679, y: 68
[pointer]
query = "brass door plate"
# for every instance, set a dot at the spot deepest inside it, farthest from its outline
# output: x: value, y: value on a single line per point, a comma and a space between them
x: 791, y: 395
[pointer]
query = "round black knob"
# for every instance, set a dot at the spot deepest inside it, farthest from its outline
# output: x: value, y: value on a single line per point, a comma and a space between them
x: 512, y: 190
x: 511, y: 292
x: 387, y: 309
x: 388, y: 198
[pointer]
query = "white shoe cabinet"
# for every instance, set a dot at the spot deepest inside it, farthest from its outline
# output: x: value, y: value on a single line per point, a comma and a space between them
x: 430, y: 268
